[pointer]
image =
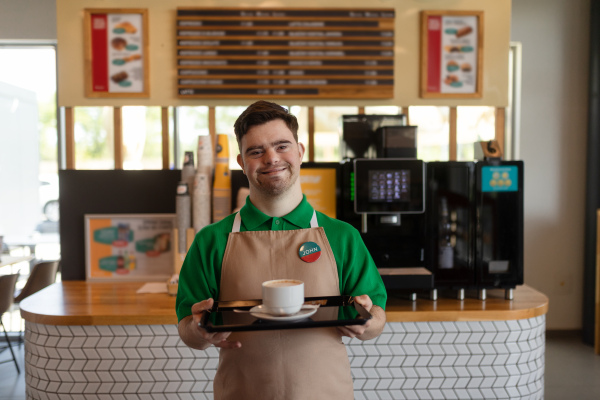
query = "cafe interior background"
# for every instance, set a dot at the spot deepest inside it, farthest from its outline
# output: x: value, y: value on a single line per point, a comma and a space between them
x: 547, y: 128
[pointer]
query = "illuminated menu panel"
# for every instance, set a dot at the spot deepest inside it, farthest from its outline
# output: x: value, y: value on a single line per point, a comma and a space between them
x: 285, y: 53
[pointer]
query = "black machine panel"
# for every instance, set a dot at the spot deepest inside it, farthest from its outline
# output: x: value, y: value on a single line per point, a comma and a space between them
x: 391, y: 245
x: 362, y: 134
x: 450, y: 224
x: 499, y: 229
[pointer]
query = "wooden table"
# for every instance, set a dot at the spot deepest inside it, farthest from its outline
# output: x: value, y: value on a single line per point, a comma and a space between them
x: 86, y: 340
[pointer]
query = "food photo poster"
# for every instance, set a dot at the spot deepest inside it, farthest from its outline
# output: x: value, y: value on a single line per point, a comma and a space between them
x: 116, y: 53
x: 129, y: 247
x: 451, y: 54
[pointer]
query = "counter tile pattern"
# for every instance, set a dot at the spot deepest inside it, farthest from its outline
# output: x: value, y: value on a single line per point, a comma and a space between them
x: 451, y: 360
x: 410, y: 360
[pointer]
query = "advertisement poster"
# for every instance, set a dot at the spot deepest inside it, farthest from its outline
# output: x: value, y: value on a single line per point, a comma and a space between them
x: 451, y: 55
x: 135, y: 247
x: 319, y: 184
x: 117, y: 52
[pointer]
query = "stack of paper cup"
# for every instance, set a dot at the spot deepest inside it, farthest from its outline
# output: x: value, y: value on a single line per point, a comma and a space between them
x: 201, y: 198
x: 188, y: 171
x: 222, y: 185
x: 183, y: 215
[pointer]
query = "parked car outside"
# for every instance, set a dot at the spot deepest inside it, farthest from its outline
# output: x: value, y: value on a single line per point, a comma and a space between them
x: 49, y: 197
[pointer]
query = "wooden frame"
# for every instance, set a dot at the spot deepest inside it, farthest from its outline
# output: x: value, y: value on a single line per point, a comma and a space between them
x: 453, y: 52
x: 116, y: 53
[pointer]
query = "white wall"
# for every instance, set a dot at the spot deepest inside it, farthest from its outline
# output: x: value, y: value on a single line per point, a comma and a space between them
x: 27, y: 19
x: 555, y: 38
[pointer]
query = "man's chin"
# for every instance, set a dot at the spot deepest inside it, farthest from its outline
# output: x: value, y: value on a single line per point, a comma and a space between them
x: 273, y: 190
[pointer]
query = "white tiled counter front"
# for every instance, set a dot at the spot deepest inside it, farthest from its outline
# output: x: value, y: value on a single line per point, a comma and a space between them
x: 410, y: 360
x: 451, y: 360
x: 103, y: 341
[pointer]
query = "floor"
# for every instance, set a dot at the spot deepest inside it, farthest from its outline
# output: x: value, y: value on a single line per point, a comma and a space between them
x: 572, y: 370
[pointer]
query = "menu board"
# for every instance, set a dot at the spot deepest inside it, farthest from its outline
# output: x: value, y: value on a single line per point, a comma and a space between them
x: 285, y: 53
x: 116, y: 53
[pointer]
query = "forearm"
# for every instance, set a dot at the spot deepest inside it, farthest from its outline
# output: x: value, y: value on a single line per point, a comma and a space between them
x: 188, y: 332
x: 376, y: 325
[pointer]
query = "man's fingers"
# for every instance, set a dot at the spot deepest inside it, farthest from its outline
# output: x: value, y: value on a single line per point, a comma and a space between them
x: 352, y: 330
x: 365, y: 301
x: 226, y: 344
x: 202, y: 306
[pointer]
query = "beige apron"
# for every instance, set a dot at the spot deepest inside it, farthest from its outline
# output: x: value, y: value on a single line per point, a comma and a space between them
x: 284, y: 364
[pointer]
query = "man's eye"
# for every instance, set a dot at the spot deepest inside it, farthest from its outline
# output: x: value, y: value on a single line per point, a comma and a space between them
x: 283, y: 147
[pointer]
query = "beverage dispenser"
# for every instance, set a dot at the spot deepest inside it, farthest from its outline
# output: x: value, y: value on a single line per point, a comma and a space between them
x: 499, y: 225
x: 450, y: 217
x: 474, y: 213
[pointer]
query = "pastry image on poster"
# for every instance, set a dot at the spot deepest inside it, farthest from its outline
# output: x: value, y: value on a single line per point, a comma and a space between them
x: 116, y: 47
x: 451, y: 54
x: 125, y: 60
x: 129, y: 247
x: 459, y: 55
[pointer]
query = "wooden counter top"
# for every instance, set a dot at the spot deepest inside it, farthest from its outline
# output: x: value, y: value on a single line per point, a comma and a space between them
x: 102, y: 303
x: 527, y: 303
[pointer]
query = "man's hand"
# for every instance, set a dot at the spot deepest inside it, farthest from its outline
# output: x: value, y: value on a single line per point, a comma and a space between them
x: 196, y: 337
x: 372, y: 328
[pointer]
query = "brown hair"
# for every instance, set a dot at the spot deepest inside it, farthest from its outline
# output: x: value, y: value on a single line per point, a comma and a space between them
x: 260, y: 113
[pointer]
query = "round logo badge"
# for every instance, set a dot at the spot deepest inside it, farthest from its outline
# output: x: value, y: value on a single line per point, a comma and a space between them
x: 309, y: 252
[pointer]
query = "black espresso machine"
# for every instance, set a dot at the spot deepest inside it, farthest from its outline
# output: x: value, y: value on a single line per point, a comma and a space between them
x: 431, y: 225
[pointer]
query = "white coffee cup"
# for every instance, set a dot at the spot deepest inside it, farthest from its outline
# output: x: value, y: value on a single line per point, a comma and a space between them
x: 283, y: 296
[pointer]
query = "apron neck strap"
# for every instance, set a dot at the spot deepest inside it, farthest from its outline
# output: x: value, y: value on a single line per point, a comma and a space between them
x: 237, y: 222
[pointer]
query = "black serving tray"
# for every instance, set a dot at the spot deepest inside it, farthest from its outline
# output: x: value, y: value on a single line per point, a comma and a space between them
x: 333, y: 311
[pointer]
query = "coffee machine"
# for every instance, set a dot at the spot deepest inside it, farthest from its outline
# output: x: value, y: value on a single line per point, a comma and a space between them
x: 453, y: 225
x: 379, y: 155
x: 474, y: 223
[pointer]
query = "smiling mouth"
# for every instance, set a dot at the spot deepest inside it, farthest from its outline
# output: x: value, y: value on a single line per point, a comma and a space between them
x: 272, y: 171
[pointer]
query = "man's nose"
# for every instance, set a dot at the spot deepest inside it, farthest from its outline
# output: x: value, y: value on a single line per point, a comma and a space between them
x: 271, y: 156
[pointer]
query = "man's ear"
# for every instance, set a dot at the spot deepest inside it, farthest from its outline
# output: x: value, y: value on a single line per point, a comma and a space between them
x: 240, y: 162
x: 302, y: 150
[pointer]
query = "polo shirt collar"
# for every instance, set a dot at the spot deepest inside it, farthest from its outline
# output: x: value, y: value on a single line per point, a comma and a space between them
x: 252, y: 217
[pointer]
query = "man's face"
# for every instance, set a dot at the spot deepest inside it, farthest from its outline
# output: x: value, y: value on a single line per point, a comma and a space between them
x: 271, y: 157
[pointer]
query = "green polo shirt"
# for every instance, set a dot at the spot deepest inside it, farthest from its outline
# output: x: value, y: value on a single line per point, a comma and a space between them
x: 200, y: 274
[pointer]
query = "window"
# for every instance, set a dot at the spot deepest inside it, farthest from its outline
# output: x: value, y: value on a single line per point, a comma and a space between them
x: 432, y: 132
x: 28, y: 158
x: 474, y: 124
x: 328, y: 132
x: 94, y: 138
x: 142, y: 137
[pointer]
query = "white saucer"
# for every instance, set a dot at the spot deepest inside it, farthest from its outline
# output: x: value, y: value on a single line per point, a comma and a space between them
x: 305, y: 312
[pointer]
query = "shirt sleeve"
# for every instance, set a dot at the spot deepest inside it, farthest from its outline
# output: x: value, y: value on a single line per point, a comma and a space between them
x: 200, y: 274
x: 356, y: 269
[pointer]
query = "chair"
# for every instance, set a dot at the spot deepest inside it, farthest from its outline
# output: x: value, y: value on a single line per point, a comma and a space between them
x: 7, y: 291
x: 43, y: 274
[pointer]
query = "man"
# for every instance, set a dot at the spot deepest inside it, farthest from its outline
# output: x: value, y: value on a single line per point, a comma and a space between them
x: 230, y: 259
